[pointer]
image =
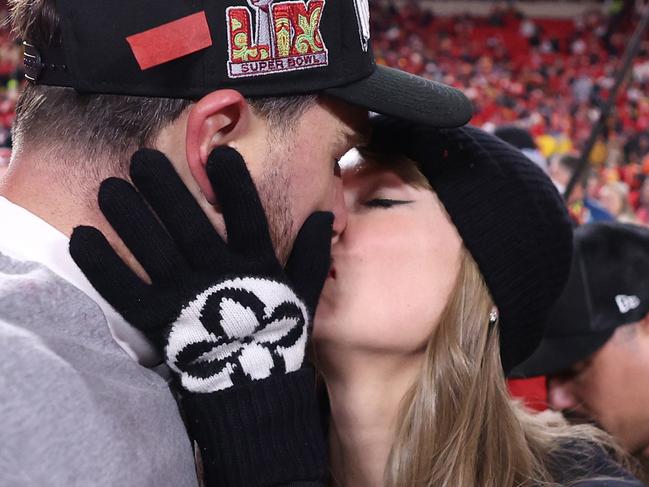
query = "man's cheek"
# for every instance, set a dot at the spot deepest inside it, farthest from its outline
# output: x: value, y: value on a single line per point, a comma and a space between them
x: 328, y: 189
x: 317, y: 194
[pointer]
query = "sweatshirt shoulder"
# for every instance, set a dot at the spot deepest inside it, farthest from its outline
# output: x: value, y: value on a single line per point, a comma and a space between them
x: 42, y: 338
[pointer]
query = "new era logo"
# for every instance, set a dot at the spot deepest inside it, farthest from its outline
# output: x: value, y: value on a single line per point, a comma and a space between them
x: 626, y: 303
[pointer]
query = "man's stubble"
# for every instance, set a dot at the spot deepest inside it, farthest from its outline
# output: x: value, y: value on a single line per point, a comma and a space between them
x: 274, y: 191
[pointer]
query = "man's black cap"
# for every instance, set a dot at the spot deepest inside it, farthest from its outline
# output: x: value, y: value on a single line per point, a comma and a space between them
x: 510, y: 217
x: 608, y: 287
x: 189, y: 48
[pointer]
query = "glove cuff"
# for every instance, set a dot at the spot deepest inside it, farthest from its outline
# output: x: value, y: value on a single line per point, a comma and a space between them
x: 263, y: 433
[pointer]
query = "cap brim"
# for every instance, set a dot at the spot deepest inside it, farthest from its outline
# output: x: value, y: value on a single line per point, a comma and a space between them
x: 399, y: 94
x: 557, y: 354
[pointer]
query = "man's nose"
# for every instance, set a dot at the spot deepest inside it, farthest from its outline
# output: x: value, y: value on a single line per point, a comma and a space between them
x: 339, y: 209
x: 561, y: 395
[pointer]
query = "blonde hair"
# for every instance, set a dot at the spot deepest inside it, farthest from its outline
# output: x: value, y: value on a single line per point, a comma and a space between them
x: 458, y: 426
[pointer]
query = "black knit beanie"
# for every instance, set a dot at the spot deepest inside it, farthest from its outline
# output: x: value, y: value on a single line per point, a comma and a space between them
x: 508, y: 213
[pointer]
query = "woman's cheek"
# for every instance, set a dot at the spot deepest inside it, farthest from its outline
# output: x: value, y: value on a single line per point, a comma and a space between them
x: 395, y: 306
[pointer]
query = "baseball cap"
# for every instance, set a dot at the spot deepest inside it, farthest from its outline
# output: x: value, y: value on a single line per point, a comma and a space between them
x: 187, y: 49
x: 608, y: 287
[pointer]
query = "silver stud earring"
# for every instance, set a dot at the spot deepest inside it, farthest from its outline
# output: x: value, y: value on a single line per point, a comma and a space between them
x: 493, y: 316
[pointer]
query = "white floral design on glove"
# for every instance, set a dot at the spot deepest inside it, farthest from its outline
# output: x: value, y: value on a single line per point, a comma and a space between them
x: 260, y: 324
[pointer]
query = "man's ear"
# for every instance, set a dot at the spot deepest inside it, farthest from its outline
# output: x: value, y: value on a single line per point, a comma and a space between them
x: 216, y: 119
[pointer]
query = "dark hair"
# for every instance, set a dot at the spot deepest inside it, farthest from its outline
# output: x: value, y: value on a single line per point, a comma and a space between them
x: 93, y: 126
x: 571, y: 163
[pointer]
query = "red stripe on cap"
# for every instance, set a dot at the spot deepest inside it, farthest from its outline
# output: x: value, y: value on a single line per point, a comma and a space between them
x: 171, y: 41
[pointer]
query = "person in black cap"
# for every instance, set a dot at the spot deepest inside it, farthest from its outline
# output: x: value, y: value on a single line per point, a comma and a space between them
x: 287, y: 83
x: 440, y: 284
x: 595, y: 350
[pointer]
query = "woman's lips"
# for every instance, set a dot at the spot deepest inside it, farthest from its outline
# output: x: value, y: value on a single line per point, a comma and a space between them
x: 332, y: 272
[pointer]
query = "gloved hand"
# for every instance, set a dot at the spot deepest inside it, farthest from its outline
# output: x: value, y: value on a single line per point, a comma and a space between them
x: 222, y: 314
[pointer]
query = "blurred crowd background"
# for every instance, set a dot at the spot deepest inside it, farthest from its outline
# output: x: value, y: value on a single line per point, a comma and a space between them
x: 540, y: 82
x: 11, y: 75
x: 537, y: 80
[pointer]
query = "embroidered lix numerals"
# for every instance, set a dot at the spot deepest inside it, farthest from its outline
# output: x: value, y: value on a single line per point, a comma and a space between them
x: 296, y: 41
x: 242, y: 46
x: 305, y: 23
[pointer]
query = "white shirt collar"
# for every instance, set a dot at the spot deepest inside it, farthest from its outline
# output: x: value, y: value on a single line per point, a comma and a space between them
x: 27, y: 237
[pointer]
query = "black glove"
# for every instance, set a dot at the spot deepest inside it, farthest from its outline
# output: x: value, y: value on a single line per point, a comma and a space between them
x: 222, y: 313
x: 230, y: 322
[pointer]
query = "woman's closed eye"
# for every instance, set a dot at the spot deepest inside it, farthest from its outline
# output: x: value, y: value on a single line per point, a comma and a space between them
x: 384, y: 203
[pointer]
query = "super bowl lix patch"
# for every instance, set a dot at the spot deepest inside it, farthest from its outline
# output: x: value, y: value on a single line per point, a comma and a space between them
x: 285, y: 37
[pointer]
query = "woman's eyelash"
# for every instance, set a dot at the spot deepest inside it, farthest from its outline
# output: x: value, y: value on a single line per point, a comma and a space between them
x: 385, y: 203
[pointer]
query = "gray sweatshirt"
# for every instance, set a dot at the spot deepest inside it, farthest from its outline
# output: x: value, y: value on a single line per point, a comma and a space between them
x: 75, y: 409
